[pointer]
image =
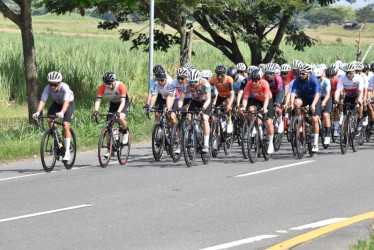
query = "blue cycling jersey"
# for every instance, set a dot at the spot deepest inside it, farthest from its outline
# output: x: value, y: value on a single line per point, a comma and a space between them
x: 306, y: 89
x: 325, y: 87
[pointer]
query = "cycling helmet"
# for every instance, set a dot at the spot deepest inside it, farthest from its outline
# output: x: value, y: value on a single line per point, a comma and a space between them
x: 257, y: 74
x: 318, y: 72
x: 241, y: 66
x: 109, y: 77
x: 313, y: 66
x: 194, y: 75
x: 296, y: 64
x: 322, y: 66
x: 277, y: 69
x: 339, y: 63
x: 366, y: 66
x: 330, y: 72
x: 161, y: 74
x: 270, y: 67
x: 350, y: 67
x: 285, y: 68
x: 188, y: 66
x: 306, y: 67
x: 261, y: 66
x: 335, y: 67
x: 232, y: 72
x: 157, y: 68
x: 220, y: 69
x: 359, y: 66
x: 250, y: 69
x: 182, y: 72
x: 372, y: 66
x: 206, y: 73
x: 54, y: 76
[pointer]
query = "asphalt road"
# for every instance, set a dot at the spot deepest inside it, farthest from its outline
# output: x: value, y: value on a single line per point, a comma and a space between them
x: 229, y: 203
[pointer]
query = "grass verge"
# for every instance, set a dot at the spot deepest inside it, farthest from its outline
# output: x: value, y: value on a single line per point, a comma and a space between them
x: 364, y: 244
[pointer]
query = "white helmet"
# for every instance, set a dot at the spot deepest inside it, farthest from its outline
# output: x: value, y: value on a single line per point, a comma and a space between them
x: 318, y: 72
x: 54, y: 76
x: 350, y: 67
x: 188, y: 66
x: 296, y: 64
x: 241, y: 66
x: 206, y: 73
x: 322, y: 66
x: 250, y: 69
x: 285, y: 67
x: 335, y: 67
x: 339, y: 64
x: 194, y: 75
x: 182, y: 72
x: 359, y: 66
x: 270, y: 67
x: 306, y: 67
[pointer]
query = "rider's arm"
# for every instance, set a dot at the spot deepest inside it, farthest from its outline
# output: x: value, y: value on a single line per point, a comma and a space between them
x: 317, y: 90
x: 40, y: 106
x: 328, y: 91
x: 208, y: 100
x: 239, y: 97
x: 65, y: 106
x: 97, y: 104
x: 123, y: 92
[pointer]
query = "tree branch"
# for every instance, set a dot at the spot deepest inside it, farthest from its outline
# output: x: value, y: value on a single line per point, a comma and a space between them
x: 8, y: 13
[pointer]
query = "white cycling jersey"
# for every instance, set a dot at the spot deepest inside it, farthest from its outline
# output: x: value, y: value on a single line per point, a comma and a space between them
x: 163, y: 90
x: 351, y: 87
x: 175, y: 85
x: 64, y: 93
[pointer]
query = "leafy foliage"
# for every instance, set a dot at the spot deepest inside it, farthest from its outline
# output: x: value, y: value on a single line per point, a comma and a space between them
x: 366, y: 14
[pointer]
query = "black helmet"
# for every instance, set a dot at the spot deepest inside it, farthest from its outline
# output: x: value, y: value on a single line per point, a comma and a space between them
x: 372, y: 66
x: 232, y: 72
x: 330, y: 72
x: 161, y: 74
x: 220, y: 69
x: 157, y: 68
x: 257, y: 74
x: 366, y: 66
x: 109, y: 77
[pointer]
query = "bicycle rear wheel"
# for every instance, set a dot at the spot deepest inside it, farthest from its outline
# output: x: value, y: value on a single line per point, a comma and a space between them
x: 123, y: 150
x: 189, y: 146
x: 158, y: 143
x: 216, y: 138
x: 105, y: 148
x: 354, y: 135
x: 265, y: 144
x: 300, y: 139
x: 253, y: 143
x: 322, y: 133
x: 48, y: 151
x: 176, y: 141
x: 343, y: 136
x: 73, y: 151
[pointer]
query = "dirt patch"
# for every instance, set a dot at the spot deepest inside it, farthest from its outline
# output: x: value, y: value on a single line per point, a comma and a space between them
x: 17, y: 31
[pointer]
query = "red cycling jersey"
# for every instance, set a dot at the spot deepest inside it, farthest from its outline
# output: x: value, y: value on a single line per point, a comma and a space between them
x: 261, y: 93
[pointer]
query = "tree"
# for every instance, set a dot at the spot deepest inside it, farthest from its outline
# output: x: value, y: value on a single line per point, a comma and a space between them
x: 326, y: 15
x: 22, y: 18
x: 366, y: 14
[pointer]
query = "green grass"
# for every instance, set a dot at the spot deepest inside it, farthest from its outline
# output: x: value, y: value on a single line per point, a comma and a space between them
x: 364, y: 244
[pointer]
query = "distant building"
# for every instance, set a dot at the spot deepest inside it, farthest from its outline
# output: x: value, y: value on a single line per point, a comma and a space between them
x: 349, y: 24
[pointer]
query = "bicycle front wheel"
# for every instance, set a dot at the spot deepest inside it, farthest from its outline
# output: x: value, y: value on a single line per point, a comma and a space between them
x: 105, y: 148
x: 48, y: 151
x: 216, y: 138
x: 344, y: 136
x: 176, y: 142
x: 123, y: 149
x: 253, y: 143
x: 300, y: 138
x: 245, y: 136
x: 73, y: 151
x: 189, y: 146
x: 158, y: 141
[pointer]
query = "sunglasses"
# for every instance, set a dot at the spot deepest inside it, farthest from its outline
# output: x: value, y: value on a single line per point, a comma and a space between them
x: 284, y: 73
x: 303, y: 74
x: 269, y: 73
x: 220, y: 75
x: 240, y: 72
x: 161, y: 80
x: 53, y: 85
x: 194, y: 82
x: 181, y: 78
x: 332, y: 76
x: 350, y: 73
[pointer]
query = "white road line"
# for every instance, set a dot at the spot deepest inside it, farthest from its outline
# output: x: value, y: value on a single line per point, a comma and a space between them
x: 318, y: 224
x: 46, y: 212
x: 240, y: 242
x: 273, y: 169
x: 21, y: 176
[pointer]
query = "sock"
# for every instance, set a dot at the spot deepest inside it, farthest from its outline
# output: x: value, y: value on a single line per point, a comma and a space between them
x: 206, y: 140
x: 67, y: 145
x: 336, y: 125
x: 328, y: 131
x: 270, y: 139
x: 280, y: 119
x: 315, y: 139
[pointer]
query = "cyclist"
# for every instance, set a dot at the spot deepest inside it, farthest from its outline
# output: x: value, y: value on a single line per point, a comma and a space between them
x: 296, y: 65
x: 151, y: 83
x: 207, y: 74
x: 353, y: 87
x: 200, y: 91
x: 260, y: 89
x: 284, y: 71
x: 63, y: 106
x: 241, y: 68
x: 326, y: 101
x: 226, y: 94
x: 340, y: 68
x: 331, y: 75
x: 370, y: 99
x: 116, y: 91
x: 308, y: 89
x: 276, y: 88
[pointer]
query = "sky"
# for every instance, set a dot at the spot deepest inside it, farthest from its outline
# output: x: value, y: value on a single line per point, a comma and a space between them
x: 359, y: 3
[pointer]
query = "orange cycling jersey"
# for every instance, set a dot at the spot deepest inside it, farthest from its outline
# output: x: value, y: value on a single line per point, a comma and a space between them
x: 223, y: 87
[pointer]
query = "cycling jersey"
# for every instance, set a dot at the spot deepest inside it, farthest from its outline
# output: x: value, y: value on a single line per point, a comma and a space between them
x: 199, y: 92
x: 307, y: 89
x: 223, y: 87
x: 237, y: 83
x: 340, y: 73
x: 64, y: 93
x: 325, y: 87
x: 290, y: 76
x: 290, y: 87
x: 261, y: 93
x: 153, y: 81
x: 351, y: 87
x: 276, y: 84
x: 371, y: 83
x: 334, y: 84
x: 119, y: 91
x: 164, y: 90
x: 175, y: 87
x: 365, y: 79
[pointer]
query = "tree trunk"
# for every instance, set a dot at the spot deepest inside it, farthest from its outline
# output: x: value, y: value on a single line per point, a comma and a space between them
x: 31, y: 73
x: 256, y: 56
x: 185, y: 43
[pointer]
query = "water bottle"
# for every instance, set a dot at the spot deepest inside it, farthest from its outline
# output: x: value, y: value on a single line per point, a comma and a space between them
x: 60, y: 144
x: 261, y: 134
x: 223, y: 124
x: 116, y: 134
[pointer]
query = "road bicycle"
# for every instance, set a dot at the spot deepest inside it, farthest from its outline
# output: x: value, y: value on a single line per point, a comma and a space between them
x: 177, y: 136
x: 303, y: 133
x: 193, y: 140
x: 111, y: 140
x: 219, y: 133
x: 278, y: 137
x: 52, y: 147
x: 348, y: 128
x: 255, y: 136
